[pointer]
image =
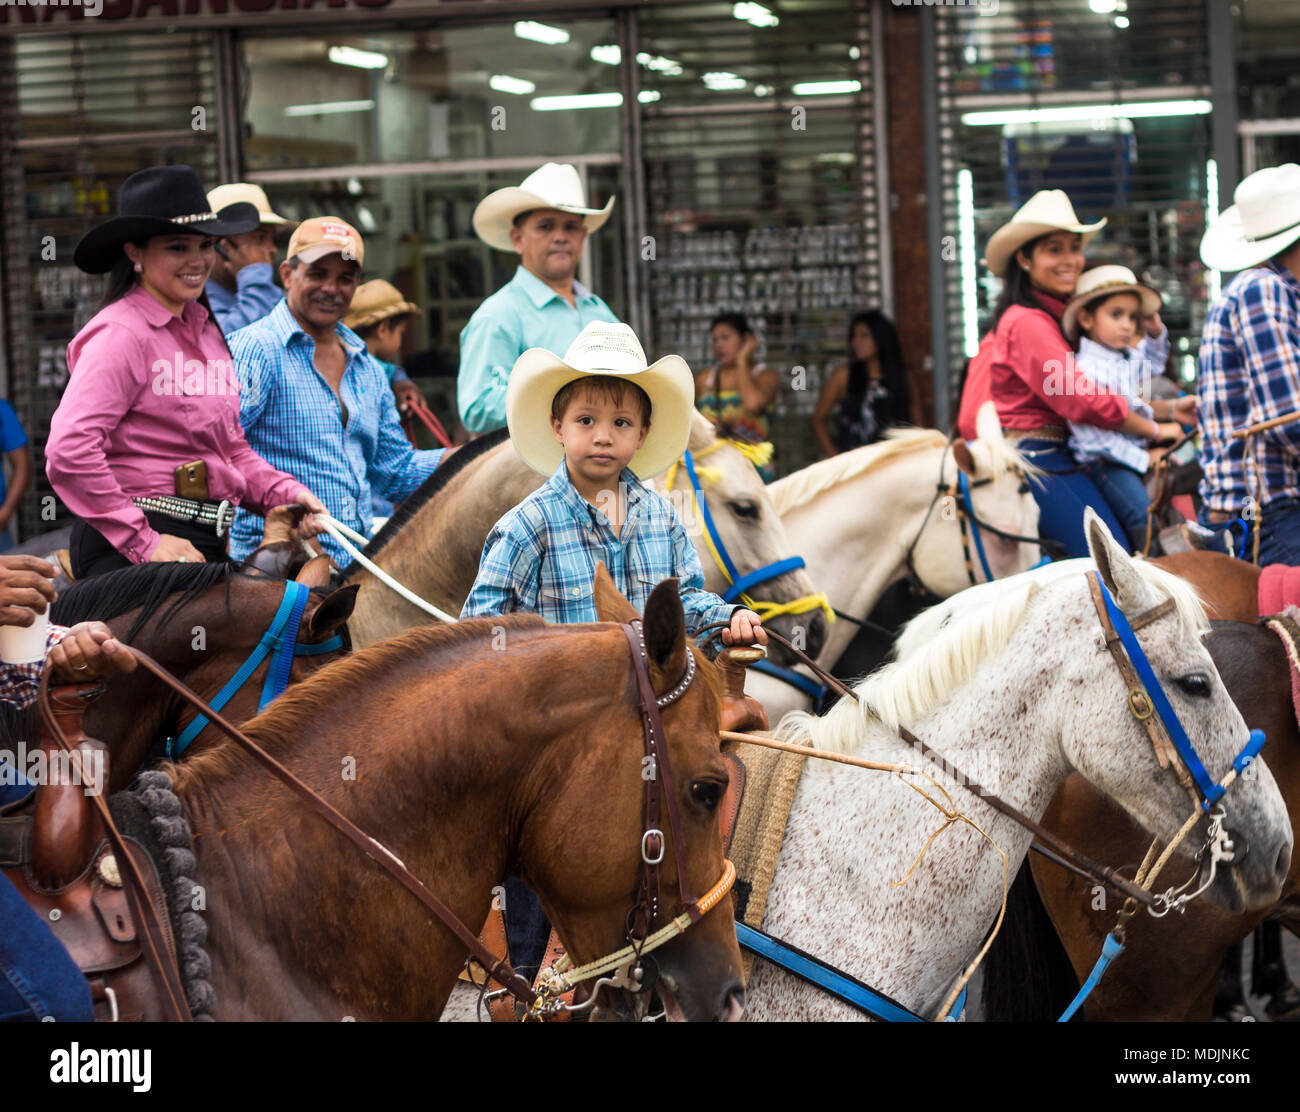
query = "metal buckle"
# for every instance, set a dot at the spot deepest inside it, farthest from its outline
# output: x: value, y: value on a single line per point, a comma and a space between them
x: 645, y: 853
x: 225, y: 517
x: 1139, y: 702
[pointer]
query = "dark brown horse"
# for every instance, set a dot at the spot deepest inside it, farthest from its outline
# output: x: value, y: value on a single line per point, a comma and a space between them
x: 200, y: 622
x: 1170, y: 966
x: 497, y: 746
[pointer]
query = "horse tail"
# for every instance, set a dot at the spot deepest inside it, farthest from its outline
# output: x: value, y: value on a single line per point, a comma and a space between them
x: 1028, y: 977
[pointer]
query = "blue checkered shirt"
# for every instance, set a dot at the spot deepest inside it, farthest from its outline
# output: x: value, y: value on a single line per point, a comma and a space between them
x: 292, y: 420
x: 1126, y: 373
x: 542, y: 555
x: 1250, y: 372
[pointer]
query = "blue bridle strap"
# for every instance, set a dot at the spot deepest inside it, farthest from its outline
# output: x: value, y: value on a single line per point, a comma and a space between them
x: 963, y: 485
x: 762, y: 575
x: 281, y: 639
x: 1211, y: 792
x: 702, y: 502
x: 1110, y: 950
x: 788, y: 675
x: 826, y: 977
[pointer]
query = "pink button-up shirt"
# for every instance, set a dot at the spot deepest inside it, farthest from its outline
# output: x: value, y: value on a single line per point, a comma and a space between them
x: 150, y: 391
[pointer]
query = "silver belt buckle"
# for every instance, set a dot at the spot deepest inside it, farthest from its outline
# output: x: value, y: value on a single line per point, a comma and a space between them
x: 225, y: 517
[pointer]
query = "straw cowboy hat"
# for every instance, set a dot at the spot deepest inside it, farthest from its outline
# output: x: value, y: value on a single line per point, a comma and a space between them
x: 377, y: 300
x: 600, y: 349
x: 1103, y: 281
x: 1048, y: 210
x: 1264, y: 221
x: 155, y: 202
x: 245, y: 192
x: 554, y: 186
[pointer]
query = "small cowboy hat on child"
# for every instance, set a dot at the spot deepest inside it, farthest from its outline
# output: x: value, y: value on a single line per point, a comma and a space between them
x: 1103, y: 281
x: 553, y: 186
x: 1264, y: 221
x: 1048, y: 210
x: 600, y: 349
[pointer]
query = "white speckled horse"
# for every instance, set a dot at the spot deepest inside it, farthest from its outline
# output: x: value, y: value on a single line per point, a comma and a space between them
x: 1018, y: 694
x: 853, y: 517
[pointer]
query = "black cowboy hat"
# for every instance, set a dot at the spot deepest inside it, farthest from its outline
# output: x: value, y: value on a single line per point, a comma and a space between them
x: 154, y: 202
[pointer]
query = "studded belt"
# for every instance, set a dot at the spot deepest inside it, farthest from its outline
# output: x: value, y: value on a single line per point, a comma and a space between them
x: 215, y: 515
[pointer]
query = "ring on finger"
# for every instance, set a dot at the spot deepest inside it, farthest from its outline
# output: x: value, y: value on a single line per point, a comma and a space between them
x: 81, y: 667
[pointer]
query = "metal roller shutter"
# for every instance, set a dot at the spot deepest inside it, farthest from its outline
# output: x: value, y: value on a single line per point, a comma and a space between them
x: 91, y: 109
x: 760, y: 193
x: 1052, y: 69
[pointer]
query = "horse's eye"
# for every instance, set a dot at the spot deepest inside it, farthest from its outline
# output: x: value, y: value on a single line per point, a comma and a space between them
x: 707, y: 793
x: 744, y: 509
x: 1197, y: 685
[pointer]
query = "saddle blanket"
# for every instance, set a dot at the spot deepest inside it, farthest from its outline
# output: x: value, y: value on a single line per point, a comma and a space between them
x: 1279, y: 587
x: 1287, y: 626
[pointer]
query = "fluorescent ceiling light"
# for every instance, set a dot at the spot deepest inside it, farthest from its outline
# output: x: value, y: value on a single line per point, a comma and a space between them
x: 666, y: 66
x: 763, y: 90
x: 966, y: 257
x: 541, y: 32
x: 720, y: 80
x: 578, y: 100
x: 504, y: 83
x: 754, y: 14
x: 1103, y: 7
x: 855, y: 53
x: 611, y: 54
x: 329, y: 107
x: 1121, y: 21
x: 648, y: 96
x: 362, y: 59
x: 825, y: 88
x: 1138, y: 110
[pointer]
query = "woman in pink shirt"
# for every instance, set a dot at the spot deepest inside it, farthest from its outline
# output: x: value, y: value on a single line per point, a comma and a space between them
x: 146, y: 446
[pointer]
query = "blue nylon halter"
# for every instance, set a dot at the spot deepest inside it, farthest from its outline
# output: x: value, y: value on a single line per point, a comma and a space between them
x: 1211, y: 792
x: 281, y: 640
x: 739, y: 583
x: 963, y: 485
x: 795, y: 679
x: 832, y: 980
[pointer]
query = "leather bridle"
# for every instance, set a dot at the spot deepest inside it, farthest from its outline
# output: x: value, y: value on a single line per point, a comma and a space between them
x: 645, y: 916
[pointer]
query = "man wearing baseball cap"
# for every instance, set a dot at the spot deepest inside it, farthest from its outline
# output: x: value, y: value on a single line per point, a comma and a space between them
x: 312, y: 396
x: 544, y: 220
x: 241, y: 288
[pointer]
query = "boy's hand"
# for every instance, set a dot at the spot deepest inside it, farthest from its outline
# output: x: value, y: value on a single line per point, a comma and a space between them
x: 746, y: 629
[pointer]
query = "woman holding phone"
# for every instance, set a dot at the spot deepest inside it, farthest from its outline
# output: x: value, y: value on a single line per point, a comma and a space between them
x: 146, y: 446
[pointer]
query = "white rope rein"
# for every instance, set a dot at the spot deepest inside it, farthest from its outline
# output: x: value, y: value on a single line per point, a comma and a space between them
x: 341, y: 533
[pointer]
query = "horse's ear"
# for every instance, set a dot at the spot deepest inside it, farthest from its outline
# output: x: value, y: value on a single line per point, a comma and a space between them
x: 665, y: 630
x: 315, y: 572
x: 961, y: 453
x: 611, y: 606
x: 1116, y: 566
x: 333, y: 612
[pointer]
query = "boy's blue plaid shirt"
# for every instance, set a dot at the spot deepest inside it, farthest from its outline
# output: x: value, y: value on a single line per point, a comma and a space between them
x: 542, y: 555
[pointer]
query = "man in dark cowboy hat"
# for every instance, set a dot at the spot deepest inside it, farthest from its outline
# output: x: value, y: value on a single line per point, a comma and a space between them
x: 145, y: 447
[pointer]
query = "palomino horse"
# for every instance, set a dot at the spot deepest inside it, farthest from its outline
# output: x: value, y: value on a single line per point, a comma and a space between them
x: 867, y: 518
x: 460, y: 774
x: 1015, y: 694
x: 202, y: 622
x: 434, y: 541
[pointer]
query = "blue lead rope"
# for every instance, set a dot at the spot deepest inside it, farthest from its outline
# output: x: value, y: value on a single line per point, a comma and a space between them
x: 964, y: 485
x: 1110, y: 950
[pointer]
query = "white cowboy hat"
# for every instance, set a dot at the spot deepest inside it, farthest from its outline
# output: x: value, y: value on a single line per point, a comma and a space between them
x: 555, y: 186
x: 1264, y: 221
x: 1103, y: 281
x: 1048, y: 210
x: 600, y: 349
x: 248, y: 193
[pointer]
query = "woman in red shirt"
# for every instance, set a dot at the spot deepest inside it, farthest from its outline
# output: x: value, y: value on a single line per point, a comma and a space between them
x: 1035, y: 385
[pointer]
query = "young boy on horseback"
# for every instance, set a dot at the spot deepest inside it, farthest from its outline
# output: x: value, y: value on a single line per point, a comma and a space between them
x: 597, y: 421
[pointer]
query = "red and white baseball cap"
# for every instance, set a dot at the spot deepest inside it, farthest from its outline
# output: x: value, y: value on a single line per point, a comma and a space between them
x: 326, y: 235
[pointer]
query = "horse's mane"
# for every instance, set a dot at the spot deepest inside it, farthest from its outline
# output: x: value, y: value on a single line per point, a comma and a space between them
x: 805, y: 484
x: 412, y: 505
x: 146, y: 586
x: 960, y: 635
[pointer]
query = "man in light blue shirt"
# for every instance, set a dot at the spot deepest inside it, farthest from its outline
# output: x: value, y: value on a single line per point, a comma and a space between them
x: 314, y: 400
x: 545, y: 221
x: 242, y: 288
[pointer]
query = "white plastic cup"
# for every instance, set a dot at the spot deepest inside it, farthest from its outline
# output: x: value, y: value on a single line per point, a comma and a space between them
x: 25, y: 644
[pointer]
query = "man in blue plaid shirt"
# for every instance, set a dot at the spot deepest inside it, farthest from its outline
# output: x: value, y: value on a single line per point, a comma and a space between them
x: 313, y: 401
x: 1250, y: 365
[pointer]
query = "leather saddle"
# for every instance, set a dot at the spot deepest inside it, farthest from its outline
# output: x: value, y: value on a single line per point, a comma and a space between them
x: 55, y: 851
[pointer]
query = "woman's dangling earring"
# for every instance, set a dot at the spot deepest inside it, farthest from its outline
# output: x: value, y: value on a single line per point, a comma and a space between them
x: 138, y: 268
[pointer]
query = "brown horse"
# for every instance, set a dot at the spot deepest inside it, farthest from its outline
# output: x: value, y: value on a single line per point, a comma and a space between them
x: 1229, y: 587
x: 201, y: 622
x: 496, y: 746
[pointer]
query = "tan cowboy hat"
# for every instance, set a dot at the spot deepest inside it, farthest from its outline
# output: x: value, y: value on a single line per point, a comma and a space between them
x: 1048, y: 210
x: 555, y: 186
x: 1264, y: 220
x: 600, y: 349
x: 377, y: 300
x: 246, y: 192
x: 1103, y: 281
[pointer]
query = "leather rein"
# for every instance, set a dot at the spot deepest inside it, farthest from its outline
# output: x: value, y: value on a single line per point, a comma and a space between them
x: 645, y: 915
